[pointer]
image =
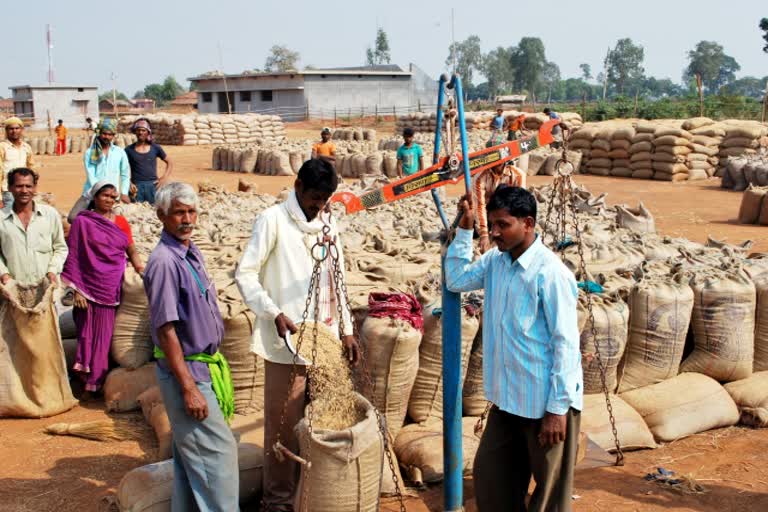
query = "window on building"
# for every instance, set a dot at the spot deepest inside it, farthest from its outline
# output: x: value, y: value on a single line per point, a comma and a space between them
x: 80, y: 89
x: 266, y: 95
x: 245, y: 96
x: 207, y: 97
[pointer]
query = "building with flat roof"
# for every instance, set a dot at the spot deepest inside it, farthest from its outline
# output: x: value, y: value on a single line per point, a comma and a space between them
x: 39, y: 104
x: 314, y: 93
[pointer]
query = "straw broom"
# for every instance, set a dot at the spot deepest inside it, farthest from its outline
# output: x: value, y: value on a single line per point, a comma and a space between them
x: 113, y: 429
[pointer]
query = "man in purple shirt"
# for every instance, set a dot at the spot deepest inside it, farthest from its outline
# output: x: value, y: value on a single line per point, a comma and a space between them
x: 186, y: 323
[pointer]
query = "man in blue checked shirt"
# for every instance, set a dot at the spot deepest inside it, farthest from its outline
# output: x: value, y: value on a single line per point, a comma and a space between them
x: 531, y: 364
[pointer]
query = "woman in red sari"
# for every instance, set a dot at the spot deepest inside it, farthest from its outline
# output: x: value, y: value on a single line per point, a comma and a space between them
x: 99, y: 241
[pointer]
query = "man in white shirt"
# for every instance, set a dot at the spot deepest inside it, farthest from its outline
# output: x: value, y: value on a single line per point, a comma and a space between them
x: 273, y: 277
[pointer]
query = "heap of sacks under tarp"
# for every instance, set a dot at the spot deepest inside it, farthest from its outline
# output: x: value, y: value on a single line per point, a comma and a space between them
x: 653, y: 290
x: 194, y: 129
x: 481, y: 120
x: 667, y: 149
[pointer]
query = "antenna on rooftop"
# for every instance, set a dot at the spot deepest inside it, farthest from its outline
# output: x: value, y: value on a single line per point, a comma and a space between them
x: 49, y: 42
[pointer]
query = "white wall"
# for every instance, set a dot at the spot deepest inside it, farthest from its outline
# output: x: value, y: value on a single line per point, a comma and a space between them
x: 63, y: 104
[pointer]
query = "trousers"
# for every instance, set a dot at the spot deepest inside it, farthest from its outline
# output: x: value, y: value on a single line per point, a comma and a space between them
x: 510, y: 454
x: 145, y: 192
x: 281, y: 478
x: 205, y: 471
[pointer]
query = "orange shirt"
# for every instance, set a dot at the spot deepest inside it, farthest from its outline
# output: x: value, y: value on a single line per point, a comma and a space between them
x: 61, y: 132
x: 324, y: 149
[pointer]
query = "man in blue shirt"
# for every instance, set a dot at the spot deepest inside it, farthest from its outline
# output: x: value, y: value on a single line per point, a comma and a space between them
x: 531, y: 365
x: 410, y: 156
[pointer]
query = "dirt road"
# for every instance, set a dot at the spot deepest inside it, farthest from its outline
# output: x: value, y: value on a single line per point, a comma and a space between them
x: 69, y: 474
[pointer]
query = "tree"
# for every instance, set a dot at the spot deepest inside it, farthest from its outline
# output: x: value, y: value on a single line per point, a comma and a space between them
x: 624, y: 64
x: 586, y: 72
x: 380, y: 53
x: 709, y: 61
x: 468, y: 57
x: 528, y: 61
x: 496, y: 67
x: 281, y: 59
x: 747, y: 86
x: 764, y: 28
x: 165, y: 92
x: 550, y: 77
x: 108, y: 96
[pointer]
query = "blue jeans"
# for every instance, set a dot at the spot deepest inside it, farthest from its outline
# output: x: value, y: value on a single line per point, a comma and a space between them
x: 205, y: 471
x: 145, y: 192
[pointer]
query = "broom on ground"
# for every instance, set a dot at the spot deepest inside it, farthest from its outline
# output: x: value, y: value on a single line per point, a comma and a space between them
x: 113, y: 429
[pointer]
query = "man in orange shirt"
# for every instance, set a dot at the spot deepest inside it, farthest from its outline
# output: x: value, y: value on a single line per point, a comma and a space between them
x: 325, y: 150
x: 483, y: 187
x: 61, y: 138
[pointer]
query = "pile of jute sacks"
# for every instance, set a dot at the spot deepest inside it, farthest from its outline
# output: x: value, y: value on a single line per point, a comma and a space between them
x: 480, y: 120
x: 682, y: 328
x: 202, y: 129
x: 75, y: 144
x: 667, y: 149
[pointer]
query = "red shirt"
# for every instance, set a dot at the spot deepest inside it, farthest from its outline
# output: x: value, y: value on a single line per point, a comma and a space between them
x: 122, y: 223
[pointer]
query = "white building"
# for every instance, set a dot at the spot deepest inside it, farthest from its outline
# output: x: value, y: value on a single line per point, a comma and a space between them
x: 43, y: 103
x: 292, y: 95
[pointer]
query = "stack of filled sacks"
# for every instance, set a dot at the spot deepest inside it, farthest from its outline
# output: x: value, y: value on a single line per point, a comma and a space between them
x: 581, y: 141
x: 671, y: 147
x: 621, y: 141
x: 741, y: 138
x: 640, y: 152
x: 707, y: 135
x: 599, y: 155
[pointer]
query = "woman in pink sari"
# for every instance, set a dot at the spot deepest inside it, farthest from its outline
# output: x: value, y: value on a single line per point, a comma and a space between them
x: 98, y: 241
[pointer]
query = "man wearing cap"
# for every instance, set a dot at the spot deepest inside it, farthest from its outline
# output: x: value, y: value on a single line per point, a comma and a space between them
x: 142, y: 157
x: 325, y: 150
x: 104, y: 161
x: 14, y: 152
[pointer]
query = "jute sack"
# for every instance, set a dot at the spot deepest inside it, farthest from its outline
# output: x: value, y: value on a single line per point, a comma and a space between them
x: 426, y: 399
x: 131, y: 341
x: 639, y: 220
x: 247, y: 368
x: 682, y: 406
x: 611, y: 316
x: 472, y: 393
x: 346, y: 465
x: 123, y: 386
x: 149, y: 488
x: 761, y: 328
x: 661, y: 312
x: 751, y: 397
x: 632, y: 430
x: 419, y: 448
x: 665, y: 176
x: 33, y: 373
x: 723, y: 324
x: 751, y: 204
x: 642, y: 173
x: 391, y: 348
x: 153, y: 409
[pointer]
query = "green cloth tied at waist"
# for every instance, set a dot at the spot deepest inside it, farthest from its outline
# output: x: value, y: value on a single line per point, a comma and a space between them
x: 221, y: 378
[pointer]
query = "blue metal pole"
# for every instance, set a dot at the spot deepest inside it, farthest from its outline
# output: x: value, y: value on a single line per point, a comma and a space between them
x: 451, y: 321
x: 436, y: 153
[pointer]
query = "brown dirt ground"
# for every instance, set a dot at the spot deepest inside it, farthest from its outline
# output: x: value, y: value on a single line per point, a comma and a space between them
x: 70, y: 474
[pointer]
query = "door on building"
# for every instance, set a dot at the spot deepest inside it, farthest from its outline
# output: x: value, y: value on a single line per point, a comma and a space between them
x: 223, y: 108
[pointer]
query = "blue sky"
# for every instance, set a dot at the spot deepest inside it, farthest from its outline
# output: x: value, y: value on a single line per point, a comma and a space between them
x: 142, y: 42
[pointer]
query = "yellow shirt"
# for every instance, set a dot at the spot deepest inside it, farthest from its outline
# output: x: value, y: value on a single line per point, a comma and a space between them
x: 324, y: 149
x: 61, y: 132
x: 11, y: 157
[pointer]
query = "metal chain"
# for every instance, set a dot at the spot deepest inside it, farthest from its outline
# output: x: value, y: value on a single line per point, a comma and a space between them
x: 342, y: 302
x: 563, y: 188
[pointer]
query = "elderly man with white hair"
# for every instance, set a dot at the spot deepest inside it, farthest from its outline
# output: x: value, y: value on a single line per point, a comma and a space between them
x: 193, y: 375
